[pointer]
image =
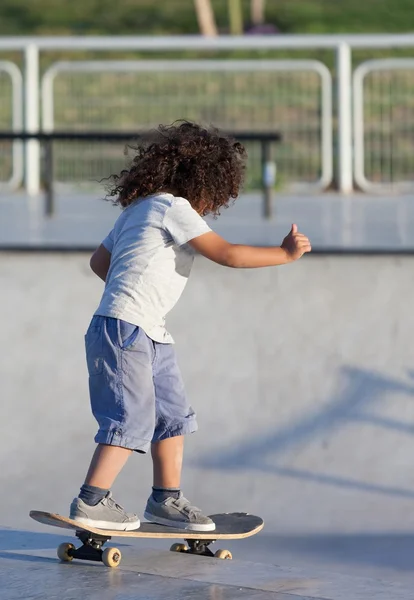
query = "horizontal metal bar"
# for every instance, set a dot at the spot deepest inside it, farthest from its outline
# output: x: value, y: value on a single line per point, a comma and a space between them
x: 196, y: 42
x: 196, y: 65
x: 122, y: 136
x: 383, y: 64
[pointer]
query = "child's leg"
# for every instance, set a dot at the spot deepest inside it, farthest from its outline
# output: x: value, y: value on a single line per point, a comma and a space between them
x: 107, y: 462
x: 175, y: 418
x: 119, y: 357
x: 95, y: 506
x: 167, y: 460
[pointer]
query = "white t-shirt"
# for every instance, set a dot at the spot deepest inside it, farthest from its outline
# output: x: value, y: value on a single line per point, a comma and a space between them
x: 150, y: 261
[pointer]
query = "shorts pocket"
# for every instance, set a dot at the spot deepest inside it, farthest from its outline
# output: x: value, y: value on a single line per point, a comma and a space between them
x: 127, y: 334
x: 94, y: 350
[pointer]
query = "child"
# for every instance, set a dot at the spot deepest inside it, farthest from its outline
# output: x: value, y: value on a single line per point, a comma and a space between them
x: 180, y: 174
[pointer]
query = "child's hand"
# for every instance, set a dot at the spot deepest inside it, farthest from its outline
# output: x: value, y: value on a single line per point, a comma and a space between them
x: 296, y: 244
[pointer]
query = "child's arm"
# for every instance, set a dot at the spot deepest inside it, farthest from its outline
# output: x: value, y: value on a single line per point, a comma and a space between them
x: 217, y: 249
x: 100, y: 261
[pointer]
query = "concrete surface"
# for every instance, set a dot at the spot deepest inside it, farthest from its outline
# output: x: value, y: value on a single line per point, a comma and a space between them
x: 331, y: 221
x: 303, y: 382
x: 158, y: 575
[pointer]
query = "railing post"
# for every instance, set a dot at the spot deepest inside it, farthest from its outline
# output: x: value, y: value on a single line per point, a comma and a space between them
x: 344, y: 83
x: 268, y: 177
x: 49, y: 178
x: 31, y: 119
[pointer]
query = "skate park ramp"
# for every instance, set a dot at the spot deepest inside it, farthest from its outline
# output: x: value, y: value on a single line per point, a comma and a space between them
x: 303, y: 381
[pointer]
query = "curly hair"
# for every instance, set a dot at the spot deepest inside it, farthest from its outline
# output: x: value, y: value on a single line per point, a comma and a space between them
x: 205, y: 166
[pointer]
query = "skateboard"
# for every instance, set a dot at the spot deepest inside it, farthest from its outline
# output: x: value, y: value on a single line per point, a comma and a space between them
x: 229, y: 526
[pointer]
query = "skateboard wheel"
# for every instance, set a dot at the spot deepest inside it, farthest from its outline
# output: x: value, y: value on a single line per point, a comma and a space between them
x: 178, y: 548
x: 223, y: 554
x: 111, y: 557
x: 63, y: 552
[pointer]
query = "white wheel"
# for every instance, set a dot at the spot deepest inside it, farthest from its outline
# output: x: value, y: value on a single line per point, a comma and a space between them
x: 178, y: 548
x: 63, y: 552
x: 224, y: 554
x: 111, y: 557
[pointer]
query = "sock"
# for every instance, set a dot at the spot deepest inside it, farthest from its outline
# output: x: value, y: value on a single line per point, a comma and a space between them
x: 161, y: 494
x: 91, y: 495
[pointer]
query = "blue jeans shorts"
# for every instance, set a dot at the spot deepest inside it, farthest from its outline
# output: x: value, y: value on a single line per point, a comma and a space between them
x: 136, y: 389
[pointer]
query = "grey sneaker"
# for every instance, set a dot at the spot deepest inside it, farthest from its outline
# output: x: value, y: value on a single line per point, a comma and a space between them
x: 107, y: 514
x: 178, y: 513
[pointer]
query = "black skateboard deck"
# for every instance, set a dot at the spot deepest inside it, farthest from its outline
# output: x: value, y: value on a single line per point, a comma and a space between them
x: 230, y: 526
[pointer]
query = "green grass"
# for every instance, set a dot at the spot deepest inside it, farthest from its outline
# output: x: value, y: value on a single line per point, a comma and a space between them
x: 177, y: 16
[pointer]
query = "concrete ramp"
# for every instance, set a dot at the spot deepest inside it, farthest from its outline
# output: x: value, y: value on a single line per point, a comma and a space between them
x: 303, y: 381
x: 33, y: 572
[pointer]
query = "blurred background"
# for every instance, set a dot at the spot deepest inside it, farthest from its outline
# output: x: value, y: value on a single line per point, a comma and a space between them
x: 322, y: 107
x: 320, y: 94
x: 302, y: 376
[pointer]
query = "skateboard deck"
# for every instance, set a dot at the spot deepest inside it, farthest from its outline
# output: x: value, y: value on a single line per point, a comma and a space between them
x: 230, y: 526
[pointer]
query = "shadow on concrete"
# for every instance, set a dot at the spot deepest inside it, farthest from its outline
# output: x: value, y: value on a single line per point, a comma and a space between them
x: 11, y: 539
x: 362, y: 393
x: 27, y: 558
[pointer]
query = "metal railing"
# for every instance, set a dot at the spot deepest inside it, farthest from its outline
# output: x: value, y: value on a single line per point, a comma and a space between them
x: 293, y: 97
x: 341, y: 45
x: 11, y: 166
x: 267, y: 140
x: 384, y: 125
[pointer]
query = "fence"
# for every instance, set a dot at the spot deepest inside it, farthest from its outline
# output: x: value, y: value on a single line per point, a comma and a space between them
x: 395, y: 151
x: 383, y: 90
x: 11, y: 117
x: 291, y: 97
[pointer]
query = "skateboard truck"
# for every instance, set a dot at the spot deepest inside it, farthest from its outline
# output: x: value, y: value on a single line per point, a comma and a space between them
x: 91, y: 548
x: 200, y: 547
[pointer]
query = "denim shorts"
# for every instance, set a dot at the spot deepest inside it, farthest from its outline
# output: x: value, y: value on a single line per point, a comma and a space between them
x: 136, y: 389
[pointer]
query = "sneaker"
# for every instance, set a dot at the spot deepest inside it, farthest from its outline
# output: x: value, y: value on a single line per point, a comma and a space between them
x: 179, y: 513
x: 107, y: 514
